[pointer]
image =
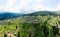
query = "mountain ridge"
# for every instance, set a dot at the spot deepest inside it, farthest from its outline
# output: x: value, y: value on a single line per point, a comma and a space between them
x: 7, y: 15
x: 43, y: 13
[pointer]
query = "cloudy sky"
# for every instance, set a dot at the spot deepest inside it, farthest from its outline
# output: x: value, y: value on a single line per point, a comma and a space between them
x: 29, y: 5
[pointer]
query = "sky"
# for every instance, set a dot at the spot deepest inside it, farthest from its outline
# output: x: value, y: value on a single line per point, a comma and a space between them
x: 28, y: 6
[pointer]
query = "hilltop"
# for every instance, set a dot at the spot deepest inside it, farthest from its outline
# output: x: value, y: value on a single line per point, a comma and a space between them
x: 44, y: 13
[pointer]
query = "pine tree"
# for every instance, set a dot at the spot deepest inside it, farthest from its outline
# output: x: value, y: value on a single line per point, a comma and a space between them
x: 18, y: 34
x: 5, y: 35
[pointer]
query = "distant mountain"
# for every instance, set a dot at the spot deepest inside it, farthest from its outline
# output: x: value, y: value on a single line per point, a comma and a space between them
x: 9, y: 15
x: 43, y: 13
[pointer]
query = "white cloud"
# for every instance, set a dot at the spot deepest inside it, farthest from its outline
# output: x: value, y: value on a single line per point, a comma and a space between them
x: 30, y: 5
x: 25, y: 5
x: 10, y: 3
x: 58, y: 6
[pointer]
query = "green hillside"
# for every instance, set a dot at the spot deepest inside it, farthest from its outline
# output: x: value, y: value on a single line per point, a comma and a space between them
x: 31, y: 26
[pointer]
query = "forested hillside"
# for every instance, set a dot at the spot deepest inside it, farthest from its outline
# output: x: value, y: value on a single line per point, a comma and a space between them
x: 37, y: 24
x: 9, y: 15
